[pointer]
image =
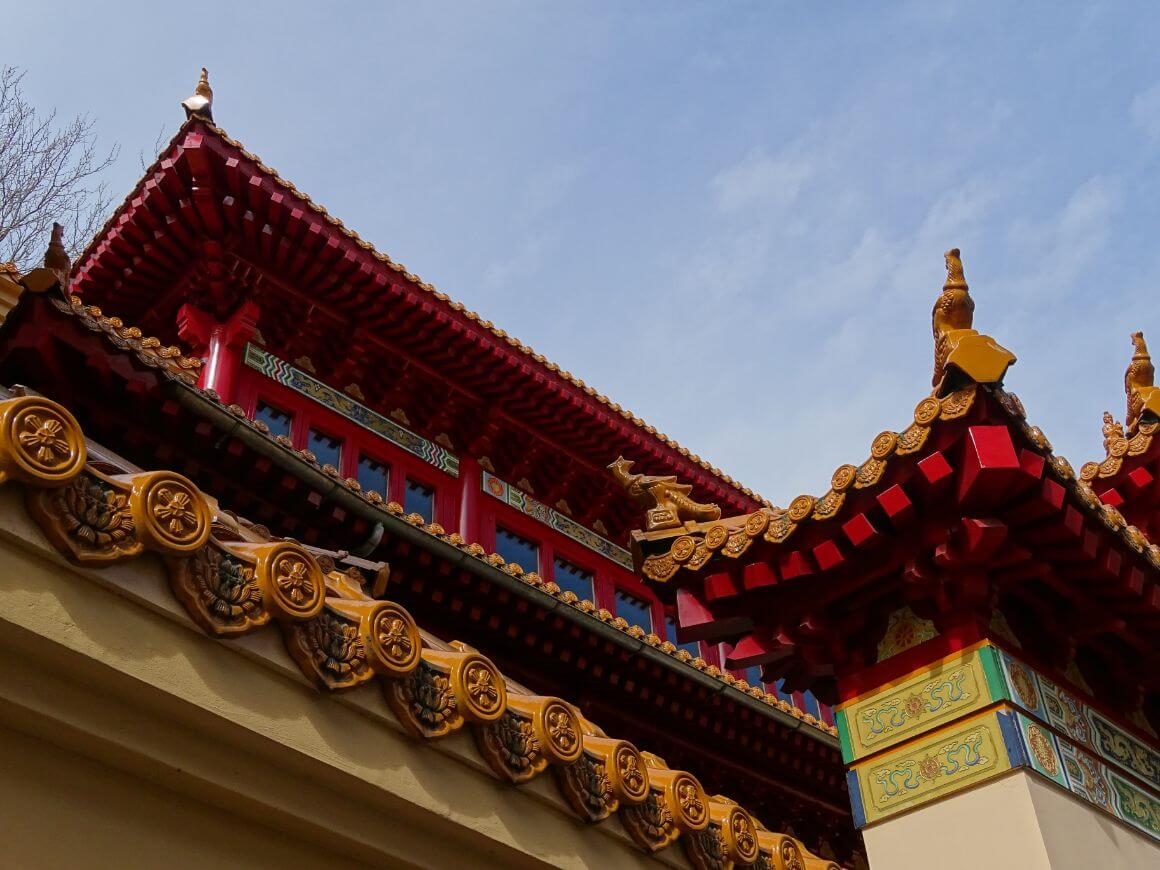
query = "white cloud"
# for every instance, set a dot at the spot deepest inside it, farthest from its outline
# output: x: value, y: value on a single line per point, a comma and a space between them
x: 762, y: 180
x: 1146, y: 111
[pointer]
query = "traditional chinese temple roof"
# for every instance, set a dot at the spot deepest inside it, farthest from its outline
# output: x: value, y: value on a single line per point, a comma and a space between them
x: 964, y: 513
x: 210, y: 221
x: 233, y: 578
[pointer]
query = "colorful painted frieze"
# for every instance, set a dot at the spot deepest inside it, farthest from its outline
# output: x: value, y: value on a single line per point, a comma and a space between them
x: 930, y: 768
x: 1072, y: 717
x: 955, y: 687
x: 282, y: 372
x: 1086, y: 776
x: 523, y: 502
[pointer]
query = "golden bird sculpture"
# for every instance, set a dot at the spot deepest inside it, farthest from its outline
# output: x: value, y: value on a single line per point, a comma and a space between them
x: 200, y: 105
x: 1139, y: 381
x: 56, y: 257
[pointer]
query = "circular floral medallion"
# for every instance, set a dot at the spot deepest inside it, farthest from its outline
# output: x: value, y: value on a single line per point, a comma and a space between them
x: 756, y: 523
x: 743, y: 833
x: 883, y: 444
x: 42, y: 442
x: 561, y: 731
x: 715, y: 537
x: 791, y: 855
x: 292, y: 585
x: 927, y: 411
x: 843, y: 478
x: 170, y: 512
x: 479, y: 688
x: 631, y: 771
x: 690, y: 807
x: 683, y: 548
x: 393, y: 639
x: 801, y: 507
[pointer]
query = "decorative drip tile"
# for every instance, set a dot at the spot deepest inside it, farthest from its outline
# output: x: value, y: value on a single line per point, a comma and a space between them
x: 523, y: 502
x: 288, y: 376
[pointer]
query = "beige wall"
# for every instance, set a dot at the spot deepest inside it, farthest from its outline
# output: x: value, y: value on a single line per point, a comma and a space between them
x: 1017, y: 821
x: 132, y: 740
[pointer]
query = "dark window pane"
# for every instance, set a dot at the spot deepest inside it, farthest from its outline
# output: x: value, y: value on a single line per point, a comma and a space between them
x: 372, y: 475
x: 692, y: 647
x: 571, y: 578
x: 636, y: 610
x: 326, y: 449
x: 513, y: 548
x: 277, y: 420
x: 419, y: 499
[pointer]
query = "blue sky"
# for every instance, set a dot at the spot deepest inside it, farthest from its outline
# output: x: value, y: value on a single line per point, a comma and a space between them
x: 729, y: 217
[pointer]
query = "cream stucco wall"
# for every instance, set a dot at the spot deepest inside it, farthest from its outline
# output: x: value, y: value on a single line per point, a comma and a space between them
x: 1015, y: 822
x: 130, y: 739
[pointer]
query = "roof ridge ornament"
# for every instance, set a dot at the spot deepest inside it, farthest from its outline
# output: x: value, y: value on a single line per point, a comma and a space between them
x: 200, y: 105
x: 1139, y: 384
x: 56, y: 256
x: 961, y: 354
x: 667, y: 501
x: 1113, y: 431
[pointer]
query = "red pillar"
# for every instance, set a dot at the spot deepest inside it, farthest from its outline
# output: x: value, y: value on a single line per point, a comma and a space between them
x: 219, y: 344
x: 471, y: 485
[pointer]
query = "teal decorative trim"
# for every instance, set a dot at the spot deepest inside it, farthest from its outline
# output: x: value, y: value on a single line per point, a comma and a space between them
x: 1070, y: 716
x: 521, y: 501
x: 1085, y: 776
x: 288, y: 376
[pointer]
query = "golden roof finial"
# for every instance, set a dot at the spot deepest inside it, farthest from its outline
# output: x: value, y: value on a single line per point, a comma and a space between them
x: 200, y: 105
x: 668, y: 502
x: 1139, y: 380
x: 56, y: 257
x: 954, y: 309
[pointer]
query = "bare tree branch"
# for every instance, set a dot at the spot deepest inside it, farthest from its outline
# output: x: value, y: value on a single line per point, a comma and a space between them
x: 49, y: 171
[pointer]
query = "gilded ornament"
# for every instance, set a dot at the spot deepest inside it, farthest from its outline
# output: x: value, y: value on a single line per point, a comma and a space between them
x: 89, y: 518
x: 869, y: 473
x: 843, y: 478
x: 800, y: 508
x: 1139, y: 386
x: 219, y: 591
x: 40, y: 442
x: 1062, y: 467
x: 683, y: 548
x: 828, y: 505
x: 391, y: 639
x: 957, y: 404
x: 288, y: 575
x: 791, y: 855
x: 756, y: 523
x: 927, y: 411
x: 883, y: 444
x: 330, y: 649
x: 715, y: 537
x: 780, y: 527
x: 911, y: 439
x: 588, y: 788
x: 737, y: 544
x: 631, y: 773
x: 1089, y: 471
x: 424, y: 700
x: 1112, y: 518
x: 169, y: 512
x: 667, y: 502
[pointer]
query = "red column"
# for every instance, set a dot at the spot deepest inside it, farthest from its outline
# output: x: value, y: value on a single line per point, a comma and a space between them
x: 471, y: 485
x: 219, y: 344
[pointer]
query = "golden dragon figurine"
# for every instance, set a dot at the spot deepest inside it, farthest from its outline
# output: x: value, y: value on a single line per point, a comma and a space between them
x: 667, y: 501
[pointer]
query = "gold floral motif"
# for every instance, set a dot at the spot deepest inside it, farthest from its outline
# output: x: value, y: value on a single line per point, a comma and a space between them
x: 828, y: 505
x: 715, y: 537
x: 562, y: 729
x: 40, y: 442
x: 174, y: 509
x: 780, y: 528
x: 170, y: 513
x: 843, y: 478
x: 800, y: 508
x: 683, y: 548
x: 756, y: 523
x: 883, y: 444
x: 481, y: 687
x: 629, y: 768
x: 912, y: 439
x: 1062, y: 467
x: 957, y: 404
x: 690, y: 801
x: 869, y: 473
x: 927, y: 411
x: 292, y: 577
x: 393, y: 639
x: 219, y: 592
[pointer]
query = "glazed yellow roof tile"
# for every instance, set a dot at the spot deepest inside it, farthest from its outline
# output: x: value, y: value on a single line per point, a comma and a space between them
x: 433, y: 688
